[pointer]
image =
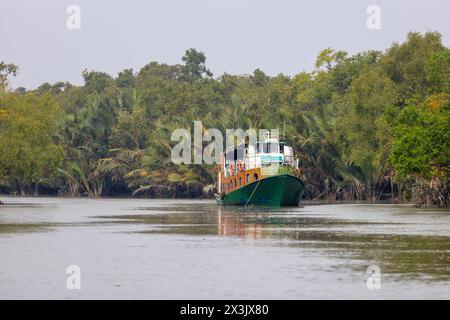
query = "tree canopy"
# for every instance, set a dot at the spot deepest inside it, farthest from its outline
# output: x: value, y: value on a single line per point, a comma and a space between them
x: 372, y: 125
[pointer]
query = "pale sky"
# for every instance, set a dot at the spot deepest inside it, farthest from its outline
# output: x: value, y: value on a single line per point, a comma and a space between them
x: 237, y: 36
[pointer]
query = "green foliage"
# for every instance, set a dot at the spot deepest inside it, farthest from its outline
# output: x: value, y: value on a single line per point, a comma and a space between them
x: 421, y: 151
x: 438, y: 71
x: 194, y: 67
x: 362, y: 130
x: 328, y: 58
x: 422, y: 140
x: 126, y: 79
x: 96, y: 81
x: 363, y: 125
x: 406, y: 65
x: 6, y: 70
x: 29, y: 154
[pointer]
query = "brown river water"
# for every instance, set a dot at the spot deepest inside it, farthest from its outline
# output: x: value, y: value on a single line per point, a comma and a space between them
x: 194, y: 249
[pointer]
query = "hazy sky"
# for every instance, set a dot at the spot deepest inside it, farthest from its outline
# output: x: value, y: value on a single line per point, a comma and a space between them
x: 237, y: 36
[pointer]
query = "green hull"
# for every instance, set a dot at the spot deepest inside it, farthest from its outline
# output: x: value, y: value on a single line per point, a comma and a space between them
x: 279, y: 190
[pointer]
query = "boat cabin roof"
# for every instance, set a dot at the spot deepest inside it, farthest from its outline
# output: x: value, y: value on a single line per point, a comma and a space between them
x: 238, y: 152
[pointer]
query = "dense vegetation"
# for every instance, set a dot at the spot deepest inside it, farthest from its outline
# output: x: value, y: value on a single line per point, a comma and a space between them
x: 371, y: 126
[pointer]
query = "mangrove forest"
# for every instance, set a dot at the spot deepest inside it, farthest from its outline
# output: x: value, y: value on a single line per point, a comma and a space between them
x: 369, y: 126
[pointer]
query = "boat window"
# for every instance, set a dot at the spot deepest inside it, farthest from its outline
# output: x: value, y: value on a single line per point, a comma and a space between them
x: 255, y: 177
x: 247, y: 178
x: 240, y: 152
x: 268, y: 147
x: 240, y: 181
x: 262, y: 148
x: 274, y: 147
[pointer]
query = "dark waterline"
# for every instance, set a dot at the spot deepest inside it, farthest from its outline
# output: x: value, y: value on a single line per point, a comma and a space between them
x: 182, y: 249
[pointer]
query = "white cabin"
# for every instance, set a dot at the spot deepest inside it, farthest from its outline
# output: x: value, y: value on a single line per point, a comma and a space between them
x: 269, y: 155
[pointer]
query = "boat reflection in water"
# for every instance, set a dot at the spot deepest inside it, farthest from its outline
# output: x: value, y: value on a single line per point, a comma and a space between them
x: 232, y: 225
x: 185, y: 249
x: 254, y: 222
x: 387, y: 244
